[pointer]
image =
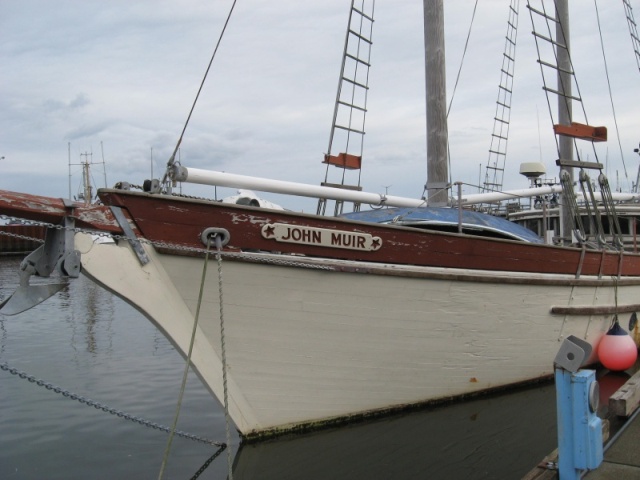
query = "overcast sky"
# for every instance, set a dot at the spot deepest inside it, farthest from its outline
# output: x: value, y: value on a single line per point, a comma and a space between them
x: 117, y: 78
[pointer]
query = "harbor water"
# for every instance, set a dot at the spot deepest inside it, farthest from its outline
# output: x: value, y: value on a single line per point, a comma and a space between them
x: 86, y: 341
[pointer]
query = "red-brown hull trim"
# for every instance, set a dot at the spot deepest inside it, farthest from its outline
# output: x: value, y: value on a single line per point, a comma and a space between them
x: 181, y: 221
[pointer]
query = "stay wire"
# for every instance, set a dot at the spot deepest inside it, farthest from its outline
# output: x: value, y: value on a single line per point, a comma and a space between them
x: 455, y: 86
x: 613, y: 108
x: 187, y: 365
x: 193, y: 106
x: 464, y: 53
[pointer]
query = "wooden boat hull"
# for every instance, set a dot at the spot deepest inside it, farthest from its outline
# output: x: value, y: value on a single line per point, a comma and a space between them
x: 328, y: 319
x: 315, y: 341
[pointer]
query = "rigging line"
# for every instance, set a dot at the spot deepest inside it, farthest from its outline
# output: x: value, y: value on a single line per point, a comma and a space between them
x: 544, y: 81
x: 614, y: 320
x: 613, y: 108
x: 562, y: 86
x: 193, y: 106
x: 566, y: 37
x: 187, y: 365
x: 453, y: 93
x: 466, y: 45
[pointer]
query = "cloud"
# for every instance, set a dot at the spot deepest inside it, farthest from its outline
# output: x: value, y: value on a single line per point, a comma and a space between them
x: 61, y: 107
x: 85, y: 131
x: 120, y: 77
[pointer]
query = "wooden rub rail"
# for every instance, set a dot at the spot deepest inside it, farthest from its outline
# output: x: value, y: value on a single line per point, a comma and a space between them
x: 596, y: 310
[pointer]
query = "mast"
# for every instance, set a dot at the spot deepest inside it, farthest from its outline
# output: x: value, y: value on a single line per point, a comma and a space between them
x: 435, y: 77
x: 564, y: 107
x: 69, y: 163
x: 86, y: 178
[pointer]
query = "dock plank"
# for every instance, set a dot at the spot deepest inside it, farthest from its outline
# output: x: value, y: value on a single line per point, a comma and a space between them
x: 621, y: 460
x: 626, y: 400
x: 543, y: 472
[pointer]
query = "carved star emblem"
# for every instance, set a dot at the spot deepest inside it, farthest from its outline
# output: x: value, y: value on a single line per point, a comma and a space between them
x: 268, y: 230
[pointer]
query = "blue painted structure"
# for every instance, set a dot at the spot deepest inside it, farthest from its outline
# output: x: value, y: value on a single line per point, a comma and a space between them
x: 577, y: 396
x: 446, y: 219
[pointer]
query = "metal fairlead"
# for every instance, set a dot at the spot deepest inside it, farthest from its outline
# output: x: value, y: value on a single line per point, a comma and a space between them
x: 210, y: 234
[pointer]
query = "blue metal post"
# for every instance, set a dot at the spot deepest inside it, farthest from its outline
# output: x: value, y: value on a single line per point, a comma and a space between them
x: 579, y: 428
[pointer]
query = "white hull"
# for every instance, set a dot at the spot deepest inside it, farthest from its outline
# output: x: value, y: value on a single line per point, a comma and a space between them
x: 306, y: 345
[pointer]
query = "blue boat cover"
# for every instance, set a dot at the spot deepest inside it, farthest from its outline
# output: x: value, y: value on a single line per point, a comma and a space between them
x: 447, y: 218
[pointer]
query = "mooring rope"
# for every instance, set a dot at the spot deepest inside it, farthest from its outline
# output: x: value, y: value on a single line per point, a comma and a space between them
x: 614, y: 320
x: 223, y: 355
x: 187, y: 364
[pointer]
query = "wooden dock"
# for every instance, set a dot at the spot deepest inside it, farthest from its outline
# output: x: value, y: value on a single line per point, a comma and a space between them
x: 621, y: 439
x: 621, y: 459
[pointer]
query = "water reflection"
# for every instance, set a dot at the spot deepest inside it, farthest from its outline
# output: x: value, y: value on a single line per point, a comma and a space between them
x: 491, y: 438
x: 93, y: 344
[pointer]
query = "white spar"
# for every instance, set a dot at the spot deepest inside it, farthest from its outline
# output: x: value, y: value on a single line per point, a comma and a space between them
x: 223, y: 179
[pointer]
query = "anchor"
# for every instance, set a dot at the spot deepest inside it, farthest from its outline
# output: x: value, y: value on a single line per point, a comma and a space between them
x: 56, y: 253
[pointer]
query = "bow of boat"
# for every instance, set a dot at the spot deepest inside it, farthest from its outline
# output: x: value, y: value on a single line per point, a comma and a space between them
x: 50, y: 210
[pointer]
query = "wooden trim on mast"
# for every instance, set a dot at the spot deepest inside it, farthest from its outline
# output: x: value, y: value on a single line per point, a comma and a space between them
x: 582, y: 131
x: 344, y: 160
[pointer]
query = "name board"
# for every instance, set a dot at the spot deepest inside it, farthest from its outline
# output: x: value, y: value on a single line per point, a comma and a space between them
x: 323, y: 237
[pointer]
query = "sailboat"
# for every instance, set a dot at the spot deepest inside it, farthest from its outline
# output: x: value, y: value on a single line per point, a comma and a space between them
x: 307, y: 320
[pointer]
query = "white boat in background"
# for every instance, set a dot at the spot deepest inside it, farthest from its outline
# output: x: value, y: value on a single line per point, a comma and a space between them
x: 327, y: 319
x: 538, y: 209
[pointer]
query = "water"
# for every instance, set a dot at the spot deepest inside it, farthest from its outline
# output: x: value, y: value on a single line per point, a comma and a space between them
x: 91, y: 343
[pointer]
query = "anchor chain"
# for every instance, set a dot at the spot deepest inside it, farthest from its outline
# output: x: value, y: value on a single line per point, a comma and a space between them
x: 206, y: 464
x: 22, y: 237
x: 106, y: 408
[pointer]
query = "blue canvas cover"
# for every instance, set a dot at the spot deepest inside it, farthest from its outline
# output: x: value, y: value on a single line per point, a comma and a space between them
x: 447, y: 218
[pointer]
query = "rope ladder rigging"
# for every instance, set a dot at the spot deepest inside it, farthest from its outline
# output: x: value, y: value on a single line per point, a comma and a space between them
x: 554, y: 59
x: 494, y: 171
x: 348, y: 126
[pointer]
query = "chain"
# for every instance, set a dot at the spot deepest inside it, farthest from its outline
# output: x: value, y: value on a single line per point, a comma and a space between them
x: 22, y: 237
x: 51, y: 225
x: 206, y: 464
x: 252, y: 257
x: 107, y: 409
